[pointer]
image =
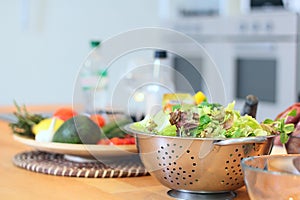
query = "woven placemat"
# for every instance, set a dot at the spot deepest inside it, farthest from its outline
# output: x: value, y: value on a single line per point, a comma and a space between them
x: 58, y: 165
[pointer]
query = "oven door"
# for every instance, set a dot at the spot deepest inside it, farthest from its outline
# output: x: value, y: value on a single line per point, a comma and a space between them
x: 266, y: 70
x: 197, y: 71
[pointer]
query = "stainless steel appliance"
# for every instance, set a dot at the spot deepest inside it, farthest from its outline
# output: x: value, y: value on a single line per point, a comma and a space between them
x: 256, y: 53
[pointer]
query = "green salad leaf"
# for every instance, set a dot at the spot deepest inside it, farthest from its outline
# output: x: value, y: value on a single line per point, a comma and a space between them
x: 208, y: 120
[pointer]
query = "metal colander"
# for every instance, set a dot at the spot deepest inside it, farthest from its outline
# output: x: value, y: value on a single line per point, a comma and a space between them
x: 203, y: 165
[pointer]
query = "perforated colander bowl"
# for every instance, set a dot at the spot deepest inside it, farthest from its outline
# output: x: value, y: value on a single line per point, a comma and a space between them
x: 203, y: 165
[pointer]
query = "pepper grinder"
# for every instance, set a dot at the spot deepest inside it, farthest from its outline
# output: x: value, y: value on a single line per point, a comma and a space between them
x: 250, y: 106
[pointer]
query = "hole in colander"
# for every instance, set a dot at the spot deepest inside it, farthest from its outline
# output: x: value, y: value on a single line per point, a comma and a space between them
x: 180, y: 168
x: 192, y: 157
x: 193, y: 170
x: 188, y: 151
x: 194, y: 164
x: 174, y: 163
x: 168, y: 145
x: 163, y: 158
x: 162, y: 147
x: 191, y: 183
x: 227, y: 161
x: 184, y: 172
x: 236, y: 150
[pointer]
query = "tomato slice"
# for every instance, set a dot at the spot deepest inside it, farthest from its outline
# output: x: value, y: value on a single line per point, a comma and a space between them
x: 65, y: 113
x: 117, y: 141
x: 98, y: 119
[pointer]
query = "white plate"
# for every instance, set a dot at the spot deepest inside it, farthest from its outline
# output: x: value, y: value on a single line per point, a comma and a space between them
x: 81, y: 150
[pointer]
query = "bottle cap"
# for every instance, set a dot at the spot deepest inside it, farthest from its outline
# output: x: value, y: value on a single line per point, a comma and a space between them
x: 160, y: 54
x: 95, y: 43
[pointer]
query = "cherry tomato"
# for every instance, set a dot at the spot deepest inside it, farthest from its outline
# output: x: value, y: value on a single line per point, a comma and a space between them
x: 65, y: 113
x: 98, y: 119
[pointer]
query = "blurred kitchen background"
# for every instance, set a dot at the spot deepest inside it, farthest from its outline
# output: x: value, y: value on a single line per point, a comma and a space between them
x: 45, y: 42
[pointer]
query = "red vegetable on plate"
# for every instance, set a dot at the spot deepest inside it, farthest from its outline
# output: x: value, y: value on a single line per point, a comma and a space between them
x: 117, y: 141
x: 98, y: 119
x: 65, y: 113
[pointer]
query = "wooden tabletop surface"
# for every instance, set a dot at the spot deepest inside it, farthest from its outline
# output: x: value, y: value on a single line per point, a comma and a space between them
x: 19, y: 183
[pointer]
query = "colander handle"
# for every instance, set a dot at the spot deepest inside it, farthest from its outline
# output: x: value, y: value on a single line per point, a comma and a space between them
x: 241, y: 141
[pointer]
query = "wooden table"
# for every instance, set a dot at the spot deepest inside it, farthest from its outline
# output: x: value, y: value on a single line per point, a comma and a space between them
x: 18, y: 183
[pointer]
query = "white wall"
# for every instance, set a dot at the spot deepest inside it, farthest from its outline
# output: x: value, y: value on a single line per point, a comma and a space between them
x: 41, y: 52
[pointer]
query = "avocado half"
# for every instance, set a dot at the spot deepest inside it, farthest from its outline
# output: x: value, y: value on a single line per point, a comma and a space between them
x: 78, y: 130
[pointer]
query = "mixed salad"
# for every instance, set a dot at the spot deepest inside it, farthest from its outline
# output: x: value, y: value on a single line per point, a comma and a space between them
x: 211, y: 120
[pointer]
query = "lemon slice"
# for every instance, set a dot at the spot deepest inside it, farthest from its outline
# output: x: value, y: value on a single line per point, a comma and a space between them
x: 45, y: 125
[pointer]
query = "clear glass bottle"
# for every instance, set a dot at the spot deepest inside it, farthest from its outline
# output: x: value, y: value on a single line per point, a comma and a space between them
x: 94, y: 80
x: 147, y: 99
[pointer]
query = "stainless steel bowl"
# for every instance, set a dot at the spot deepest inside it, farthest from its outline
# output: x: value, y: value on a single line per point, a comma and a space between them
x: 201, y: 165
x: 273, y: 176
